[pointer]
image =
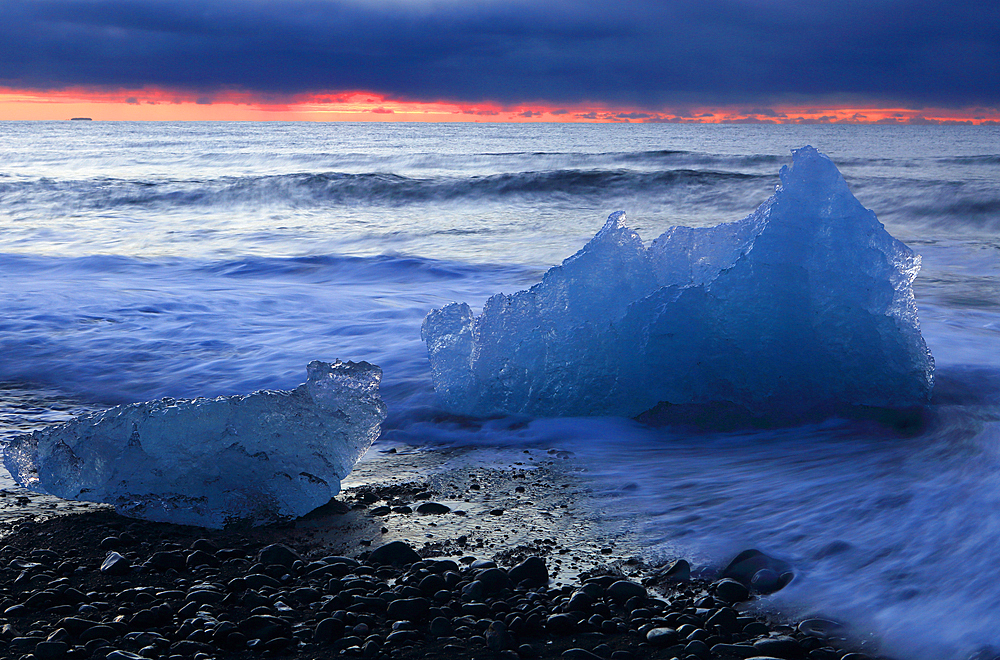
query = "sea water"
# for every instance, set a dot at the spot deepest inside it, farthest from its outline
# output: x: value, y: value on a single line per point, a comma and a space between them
x: 141, y: 260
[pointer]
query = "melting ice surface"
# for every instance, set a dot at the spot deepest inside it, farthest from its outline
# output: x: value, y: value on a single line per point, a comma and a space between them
x: 256, y: 458
x: 805, y: 305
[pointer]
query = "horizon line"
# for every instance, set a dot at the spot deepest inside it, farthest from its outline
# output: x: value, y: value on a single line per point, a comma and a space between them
x: 155, y: 104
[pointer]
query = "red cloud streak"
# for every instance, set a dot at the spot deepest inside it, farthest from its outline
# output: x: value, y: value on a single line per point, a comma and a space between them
x: 156, y: 104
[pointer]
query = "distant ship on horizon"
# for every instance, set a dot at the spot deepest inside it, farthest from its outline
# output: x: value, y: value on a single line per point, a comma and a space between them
x: 81, y: 119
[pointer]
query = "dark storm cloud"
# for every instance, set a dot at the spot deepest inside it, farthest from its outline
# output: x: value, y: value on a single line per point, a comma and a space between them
x: 648, y: 52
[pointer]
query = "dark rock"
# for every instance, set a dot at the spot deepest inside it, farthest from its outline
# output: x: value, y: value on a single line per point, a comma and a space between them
x: 381, y: 511
x: 622, y: 590
x: 821, y: 628
x: 264, y: 627
x: 163, y: 561
x: 496, y: 636
x: 580, y: 654
x: 473, y: 591
x: 482, y: 564
x: 306, y: 595
x: 258, y: 580
x: 440, y: 627
x: 765, y: 581
x: 780, y: 647
x: 493, y: 579
x: 725, y: 619
x: 532, y: 570
x: 51, y: 650
x: 399, y: 637
x: 432, y: 584
x: 679, y: 571
x: 748, y: 563
x: 328, y: 630
x: 115, y: 564
x: 735, y: 650
x: 204, y: 597
x: 432, y: 508
x: 579, y: 602
x: 198, y: 558
x: 279, y: 554
x: 561, y: 624
x: 98, y: 632
x: 148, y: 618
x: 109, y: 543
x: 205, y: 546
x: 662, y: 636
x: 697, y: 647
x: 75, y: 625
x: 408, y: 609
x: 731, y: 591
x: 121, y: 655
x: 478, y: 610
x: 527, y: 651
x: 189, y: 647
x: 397, y: 553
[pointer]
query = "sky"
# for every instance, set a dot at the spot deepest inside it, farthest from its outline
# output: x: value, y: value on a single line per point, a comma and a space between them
x: 889, y: 61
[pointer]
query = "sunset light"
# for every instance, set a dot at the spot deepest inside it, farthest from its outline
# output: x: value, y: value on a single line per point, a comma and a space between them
x: 153, y: 104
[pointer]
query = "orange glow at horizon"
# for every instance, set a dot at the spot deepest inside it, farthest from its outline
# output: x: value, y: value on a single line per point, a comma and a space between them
x: 152, y: 104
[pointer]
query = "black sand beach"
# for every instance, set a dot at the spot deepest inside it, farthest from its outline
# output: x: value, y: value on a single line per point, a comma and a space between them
x: 471, y: 562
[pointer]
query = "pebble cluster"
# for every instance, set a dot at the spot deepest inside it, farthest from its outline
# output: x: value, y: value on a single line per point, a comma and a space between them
x: 150, y: 598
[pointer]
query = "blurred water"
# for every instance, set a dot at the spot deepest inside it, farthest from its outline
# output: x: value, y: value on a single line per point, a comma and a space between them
x: 146, y: 260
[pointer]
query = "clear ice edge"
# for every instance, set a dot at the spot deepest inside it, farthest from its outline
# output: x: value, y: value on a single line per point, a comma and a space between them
x: 255, y: 458
x: 805, y: 305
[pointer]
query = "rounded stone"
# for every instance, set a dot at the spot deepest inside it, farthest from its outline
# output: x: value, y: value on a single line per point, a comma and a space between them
x: 821, y: 628
x: 622, y: 590
x: 662, y: 636
x: 408, y: 609
x: 50, y: 650
x: 432, y: 508
x: 279, y: 554
x: 493, y: 579
x: 397, y: 553
x: 532, y: 570
x: 787, y: 648
x: 440, y: 627
x: 328, y: 630
x: 679, y: 571
x: 561, y: 624
x: 579, y: 602
x: 731, y: 591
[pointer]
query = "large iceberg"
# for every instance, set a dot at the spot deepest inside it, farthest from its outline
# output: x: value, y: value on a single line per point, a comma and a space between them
x: 804, y: 306
x: 258, y: 458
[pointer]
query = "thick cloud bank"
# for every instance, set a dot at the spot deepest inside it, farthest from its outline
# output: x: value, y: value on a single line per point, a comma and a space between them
x: 646, y: 53
x: 803, y: 307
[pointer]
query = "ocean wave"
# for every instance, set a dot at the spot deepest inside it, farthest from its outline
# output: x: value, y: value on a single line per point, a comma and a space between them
x: 982, y: 159
x: 372, y: 188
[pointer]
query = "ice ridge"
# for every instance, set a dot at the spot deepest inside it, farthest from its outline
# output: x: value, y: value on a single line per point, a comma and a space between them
x: 256, y: 458
x: 805, y: 305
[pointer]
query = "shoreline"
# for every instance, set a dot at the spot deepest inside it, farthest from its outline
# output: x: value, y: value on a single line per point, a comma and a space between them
x: 182, y: 592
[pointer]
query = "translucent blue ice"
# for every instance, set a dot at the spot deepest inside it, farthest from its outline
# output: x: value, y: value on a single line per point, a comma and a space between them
x: 804, y: 305
x: 258, y: 458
